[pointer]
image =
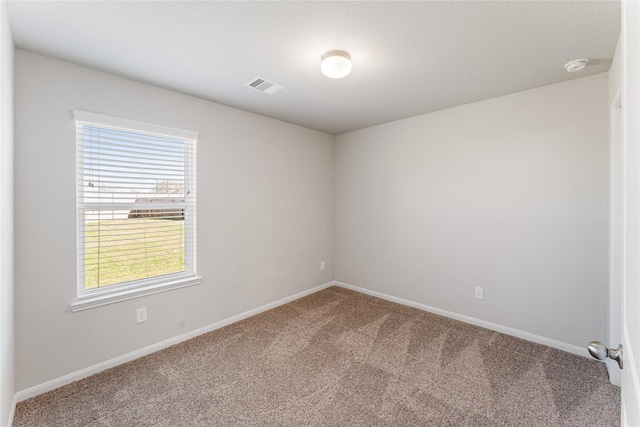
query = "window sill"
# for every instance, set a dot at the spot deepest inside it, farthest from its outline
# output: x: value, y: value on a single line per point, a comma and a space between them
x: 114, y: 297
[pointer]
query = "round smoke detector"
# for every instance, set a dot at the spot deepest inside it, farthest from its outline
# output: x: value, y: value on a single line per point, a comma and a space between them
x: 576, y: 65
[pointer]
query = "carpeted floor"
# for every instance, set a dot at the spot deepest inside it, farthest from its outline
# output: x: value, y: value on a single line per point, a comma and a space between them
x: 339, y: 357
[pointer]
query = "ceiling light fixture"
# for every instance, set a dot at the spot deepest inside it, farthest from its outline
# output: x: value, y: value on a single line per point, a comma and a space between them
x: 336, y: 64
x: 576, y: 65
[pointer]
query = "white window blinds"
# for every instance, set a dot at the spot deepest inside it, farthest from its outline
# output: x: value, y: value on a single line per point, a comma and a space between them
x: 136, y: 204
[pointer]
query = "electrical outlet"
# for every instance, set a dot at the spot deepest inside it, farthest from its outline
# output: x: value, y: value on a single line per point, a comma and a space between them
x: 141, y: 315
x: 322, y: 266
x: 479, y: 292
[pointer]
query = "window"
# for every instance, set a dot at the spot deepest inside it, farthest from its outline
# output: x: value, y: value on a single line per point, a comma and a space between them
x: 136, y: 209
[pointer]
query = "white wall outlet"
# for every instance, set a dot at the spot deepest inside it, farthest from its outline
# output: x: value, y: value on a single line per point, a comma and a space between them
x: 479, y: 292
x: 141, y: 315
x: 322, y: 266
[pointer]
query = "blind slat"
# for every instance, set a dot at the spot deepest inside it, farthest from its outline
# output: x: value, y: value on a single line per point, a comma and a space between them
x: 122, y: 150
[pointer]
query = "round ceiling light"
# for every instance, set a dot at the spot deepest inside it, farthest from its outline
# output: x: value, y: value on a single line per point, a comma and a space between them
x: 576, y: 65
x: 336, y: 64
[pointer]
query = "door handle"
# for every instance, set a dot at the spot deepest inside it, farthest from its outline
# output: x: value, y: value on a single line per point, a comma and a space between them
x: 601, y: 352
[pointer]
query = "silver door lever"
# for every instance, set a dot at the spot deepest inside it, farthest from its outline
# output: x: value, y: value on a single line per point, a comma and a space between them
x: 601, y: 352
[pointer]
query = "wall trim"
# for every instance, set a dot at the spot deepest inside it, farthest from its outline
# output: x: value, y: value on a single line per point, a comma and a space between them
x: 107, y: 364
x: 472, y: 320
x: 12, y: 411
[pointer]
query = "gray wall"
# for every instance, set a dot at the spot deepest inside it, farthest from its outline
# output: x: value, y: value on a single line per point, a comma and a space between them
x: 264, y: 217
x: 7, y: 383
x: 510, y: 194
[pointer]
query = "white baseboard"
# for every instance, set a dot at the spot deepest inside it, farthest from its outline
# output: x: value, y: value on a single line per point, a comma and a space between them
x: 488, y: 325
x: 14, y: 402
x: 91, y: 370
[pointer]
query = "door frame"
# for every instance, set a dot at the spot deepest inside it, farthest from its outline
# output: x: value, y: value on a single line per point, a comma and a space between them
x: 630, y: 231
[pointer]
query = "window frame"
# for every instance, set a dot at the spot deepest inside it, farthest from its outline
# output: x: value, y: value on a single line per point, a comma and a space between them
x: 89, y: 298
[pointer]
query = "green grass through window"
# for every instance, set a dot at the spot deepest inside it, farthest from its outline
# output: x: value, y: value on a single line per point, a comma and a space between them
x: 124, y: 250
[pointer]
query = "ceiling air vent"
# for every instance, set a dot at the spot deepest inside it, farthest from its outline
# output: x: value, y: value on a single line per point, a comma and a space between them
x: 264, y: 86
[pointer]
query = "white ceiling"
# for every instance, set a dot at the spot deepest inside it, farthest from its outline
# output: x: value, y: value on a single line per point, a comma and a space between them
x: 409, y: 58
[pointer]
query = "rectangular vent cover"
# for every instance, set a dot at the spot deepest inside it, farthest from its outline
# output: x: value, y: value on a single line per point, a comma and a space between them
x: 264, y: 85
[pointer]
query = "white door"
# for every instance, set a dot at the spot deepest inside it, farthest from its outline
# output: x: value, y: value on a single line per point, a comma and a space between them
x: 625, y: 216
x: 623, y: 265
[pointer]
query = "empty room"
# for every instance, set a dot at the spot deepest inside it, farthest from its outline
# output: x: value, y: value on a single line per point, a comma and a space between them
x: 319, y: 213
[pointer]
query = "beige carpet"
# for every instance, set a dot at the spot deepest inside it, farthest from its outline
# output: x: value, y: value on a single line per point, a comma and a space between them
x: 339, y: 357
